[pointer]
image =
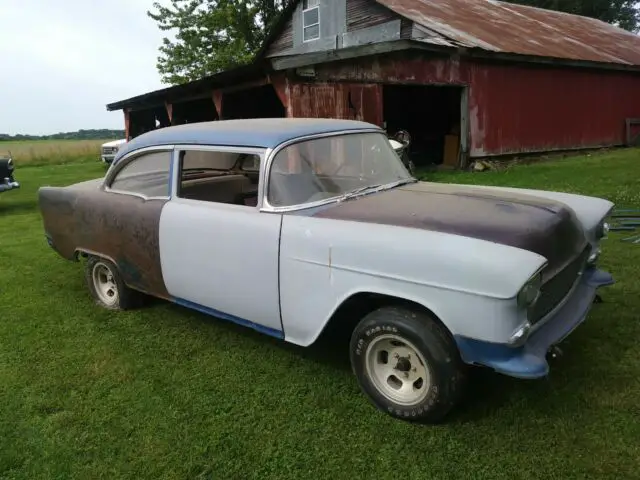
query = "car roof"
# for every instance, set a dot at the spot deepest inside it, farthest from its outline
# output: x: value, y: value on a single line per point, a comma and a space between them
x: 256, y: 132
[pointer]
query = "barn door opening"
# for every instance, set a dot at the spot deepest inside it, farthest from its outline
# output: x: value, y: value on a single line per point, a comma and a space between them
x: 433, y: 117
x: 256, y: 102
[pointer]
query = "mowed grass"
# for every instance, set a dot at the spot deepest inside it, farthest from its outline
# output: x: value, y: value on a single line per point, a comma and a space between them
x: 50, y: 152
x: 165, y: 392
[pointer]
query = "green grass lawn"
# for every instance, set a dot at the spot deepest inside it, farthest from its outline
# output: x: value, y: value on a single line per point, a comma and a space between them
x: 168, y: 393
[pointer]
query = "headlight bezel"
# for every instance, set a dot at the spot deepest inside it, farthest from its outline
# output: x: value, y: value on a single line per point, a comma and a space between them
x: 529, y: 293
x: 602, y: 230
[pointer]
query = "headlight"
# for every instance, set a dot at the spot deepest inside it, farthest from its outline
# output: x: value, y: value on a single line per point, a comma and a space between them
x: 530, y: 291
x: 602, y: 230
x: 593, y: 257
x: 520, y: 335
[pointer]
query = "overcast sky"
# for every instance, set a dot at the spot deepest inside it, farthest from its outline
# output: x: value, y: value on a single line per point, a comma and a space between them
x: 63, y: 61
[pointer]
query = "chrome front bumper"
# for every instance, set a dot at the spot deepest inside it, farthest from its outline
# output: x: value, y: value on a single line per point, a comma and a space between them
x: 530, y: 360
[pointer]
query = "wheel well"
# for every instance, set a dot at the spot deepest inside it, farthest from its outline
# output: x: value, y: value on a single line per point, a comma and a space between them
x: 353, y: 309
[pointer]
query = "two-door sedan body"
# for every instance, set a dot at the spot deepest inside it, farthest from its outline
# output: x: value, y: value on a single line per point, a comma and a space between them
x: 291, y: 225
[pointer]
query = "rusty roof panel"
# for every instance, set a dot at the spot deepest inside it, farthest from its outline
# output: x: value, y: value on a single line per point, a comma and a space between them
x: 508, y: 28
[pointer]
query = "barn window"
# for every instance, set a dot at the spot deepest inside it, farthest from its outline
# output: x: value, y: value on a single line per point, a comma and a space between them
x: 310, y: 20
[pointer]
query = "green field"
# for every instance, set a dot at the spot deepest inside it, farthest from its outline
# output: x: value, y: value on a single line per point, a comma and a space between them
x: 49, y: 152
x: 165, y: 392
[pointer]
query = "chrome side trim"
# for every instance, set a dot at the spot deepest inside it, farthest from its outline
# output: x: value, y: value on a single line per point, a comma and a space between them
x: 114, y: 168
x: 265, y: 206
x: 138, y: 195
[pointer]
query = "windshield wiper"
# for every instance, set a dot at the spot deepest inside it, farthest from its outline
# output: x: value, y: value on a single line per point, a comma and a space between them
x: 359, y: 191
x: 377, y: 187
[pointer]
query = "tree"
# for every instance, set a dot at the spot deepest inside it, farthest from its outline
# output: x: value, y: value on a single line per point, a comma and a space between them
x: 215, y: 35
x: 211, y: 35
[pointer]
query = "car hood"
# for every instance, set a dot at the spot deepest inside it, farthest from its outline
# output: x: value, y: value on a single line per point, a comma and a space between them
x: 543, y: 226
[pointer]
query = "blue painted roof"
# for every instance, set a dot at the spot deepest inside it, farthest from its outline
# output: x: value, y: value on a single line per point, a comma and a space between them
x: 258, y: 132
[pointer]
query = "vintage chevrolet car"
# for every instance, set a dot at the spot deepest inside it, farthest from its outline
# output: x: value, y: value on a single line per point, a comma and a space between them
x: 289, y: 226
x: 7, y: 168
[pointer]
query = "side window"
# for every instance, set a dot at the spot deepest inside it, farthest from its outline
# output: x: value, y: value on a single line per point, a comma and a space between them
x: 146, y: 175
x: 219, y: 177
x: 310, y: 20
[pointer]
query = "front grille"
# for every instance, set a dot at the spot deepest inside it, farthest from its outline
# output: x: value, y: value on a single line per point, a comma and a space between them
x: 556, y: 288
x: 108, y: 150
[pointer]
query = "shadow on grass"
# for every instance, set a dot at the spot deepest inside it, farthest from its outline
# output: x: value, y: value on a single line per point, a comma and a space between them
x: 487, y: 392
x: 16, y: 207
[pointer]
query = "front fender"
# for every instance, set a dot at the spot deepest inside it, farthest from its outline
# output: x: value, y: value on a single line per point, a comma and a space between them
x: 469, y: 284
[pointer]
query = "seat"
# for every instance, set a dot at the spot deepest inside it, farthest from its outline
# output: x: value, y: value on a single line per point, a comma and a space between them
x: 222, y: 189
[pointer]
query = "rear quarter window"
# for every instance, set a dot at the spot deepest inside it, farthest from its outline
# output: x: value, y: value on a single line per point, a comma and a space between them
x: 146, y: 175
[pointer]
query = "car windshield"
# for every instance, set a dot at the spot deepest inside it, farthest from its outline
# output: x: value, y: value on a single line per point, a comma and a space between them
x: 334, y: 167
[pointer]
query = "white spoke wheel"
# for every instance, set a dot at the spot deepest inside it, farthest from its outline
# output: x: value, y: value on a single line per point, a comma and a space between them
x: 407, y: 363
x: 107, y: 286
x: 104, y: 284
x: 397, y: 370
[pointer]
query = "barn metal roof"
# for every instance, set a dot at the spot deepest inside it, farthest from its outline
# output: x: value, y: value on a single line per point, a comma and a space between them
x: 509, y: 28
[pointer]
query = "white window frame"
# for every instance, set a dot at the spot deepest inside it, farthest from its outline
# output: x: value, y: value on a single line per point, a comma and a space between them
x: 304, y: 27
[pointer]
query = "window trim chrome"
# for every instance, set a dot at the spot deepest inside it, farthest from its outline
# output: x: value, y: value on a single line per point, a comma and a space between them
x: 260, y: 151
x: 263, y: 201
x: 129, y: 157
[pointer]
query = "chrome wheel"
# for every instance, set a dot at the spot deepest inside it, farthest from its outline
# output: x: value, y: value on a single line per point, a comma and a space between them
x: 105, y: 284
x: 397, y: 370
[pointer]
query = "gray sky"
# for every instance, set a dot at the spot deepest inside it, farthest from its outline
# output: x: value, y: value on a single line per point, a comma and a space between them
x: 63, y: 61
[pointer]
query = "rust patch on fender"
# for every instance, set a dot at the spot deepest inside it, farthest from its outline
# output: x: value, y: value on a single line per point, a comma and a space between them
x: 531, y: 223
x: 123, y: 228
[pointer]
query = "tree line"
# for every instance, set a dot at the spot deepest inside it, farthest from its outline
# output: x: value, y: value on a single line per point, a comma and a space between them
x: 90, y: 134
x: 215, y: 35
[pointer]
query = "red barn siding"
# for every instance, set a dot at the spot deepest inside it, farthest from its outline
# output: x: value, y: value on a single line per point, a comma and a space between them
x: 517, y: 109
x: 336, y: 100
x: 407, y: 68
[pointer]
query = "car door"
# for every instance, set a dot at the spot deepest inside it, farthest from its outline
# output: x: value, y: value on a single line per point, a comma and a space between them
x: 219, y: 253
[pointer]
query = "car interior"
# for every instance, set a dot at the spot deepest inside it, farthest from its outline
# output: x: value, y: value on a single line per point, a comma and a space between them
x: 222, y: 177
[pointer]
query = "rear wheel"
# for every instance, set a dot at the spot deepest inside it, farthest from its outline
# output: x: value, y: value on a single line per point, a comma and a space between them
x: 107, y: 287
x: 407, y: 364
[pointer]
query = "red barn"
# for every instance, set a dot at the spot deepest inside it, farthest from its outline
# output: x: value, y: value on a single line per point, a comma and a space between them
x: 467, y: 78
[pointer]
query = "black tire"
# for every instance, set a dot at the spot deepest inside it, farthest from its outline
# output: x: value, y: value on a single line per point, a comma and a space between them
x: 444, y: 368
x: 125, y: 298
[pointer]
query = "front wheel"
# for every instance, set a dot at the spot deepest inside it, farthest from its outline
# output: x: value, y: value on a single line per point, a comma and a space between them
x: 407, y: 364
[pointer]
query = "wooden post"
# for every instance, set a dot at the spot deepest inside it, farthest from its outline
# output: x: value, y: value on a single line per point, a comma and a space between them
x: 127, y: 121
x: 281, y: 85
x: 169, y: 108
x: 217, y: 101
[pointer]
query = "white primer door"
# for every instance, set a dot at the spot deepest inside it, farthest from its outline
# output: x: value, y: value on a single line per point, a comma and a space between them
x: 223, y: 259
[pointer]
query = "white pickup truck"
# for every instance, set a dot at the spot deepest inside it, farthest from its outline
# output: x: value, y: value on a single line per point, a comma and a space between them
x: 109, y: 150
